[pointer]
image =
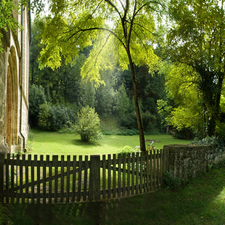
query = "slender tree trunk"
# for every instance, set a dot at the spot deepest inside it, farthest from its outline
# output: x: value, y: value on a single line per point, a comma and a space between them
x: 139, y: 120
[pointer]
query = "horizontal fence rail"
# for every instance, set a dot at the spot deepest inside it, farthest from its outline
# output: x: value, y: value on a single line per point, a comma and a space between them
x: 46, y: 179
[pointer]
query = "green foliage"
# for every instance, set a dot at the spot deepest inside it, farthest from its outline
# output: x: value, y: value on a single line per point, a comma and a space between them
x: 195, y: 39
x: 7, y: 20
x: 44, y: 116
x: 5, y: 213
x: 53, y: 117
x: 127, y: 149
x: 88, y: 124
x: 37, y: 97
x: 174, y: 183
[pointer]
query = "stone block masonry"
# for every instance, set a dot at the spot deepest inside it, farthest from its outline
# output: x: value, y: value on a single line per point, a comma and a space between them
x: 191, y: 160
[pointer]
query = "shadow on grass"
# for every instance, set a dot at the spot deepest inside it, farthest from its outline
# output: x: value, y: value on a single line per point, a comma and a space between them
x: 200, y: 202
x: 84, y: 143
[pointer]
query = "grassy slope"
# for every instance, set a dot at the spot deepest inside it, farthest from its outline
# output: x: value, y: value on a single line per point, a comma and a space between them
x: 201, y: 202
x: 53, y: 143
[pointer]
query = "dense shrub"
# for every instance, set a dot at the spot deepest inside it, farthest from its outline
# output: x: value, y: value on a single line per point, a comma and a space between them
x: 88, y: 124
x: 37, y: 97
x: 53, y: 117
x: 127, y: 149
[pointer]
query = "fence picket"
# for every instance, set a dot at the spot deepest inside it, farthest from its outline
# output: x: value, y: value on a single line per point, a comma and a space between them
x: 17, y: 175
x: 68, y: 179
x: 119, y: 175
x: 141, y: 172
x: 133, y: 161
x: 74, y: 178
x: 7, y: 178
x: 85, y: 178
x: 161, y: 166
x: 38, y: 181
x: 27, y: 177
x: 128, y: 174
x: 158, y: 169
x: 62, y: 179
x: 21, y: 178
x: 154, y: 169
x: 44, y: 182
x: 50, y: 179
x: 151, y: 171
x: 114, y: 175
x: 147, y: 171
x: 124, y: 174
x: 109, y: 176
x: 104, y: 176
x: 79, y: 178
x: 12, y: 180
x: 55, y: 164
x: 137, y: 172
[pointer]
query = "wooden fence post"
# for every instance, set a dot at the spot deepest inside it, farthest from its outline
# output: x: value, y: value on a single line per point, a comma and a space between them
x: 2, y: 173
x: 95, y: 177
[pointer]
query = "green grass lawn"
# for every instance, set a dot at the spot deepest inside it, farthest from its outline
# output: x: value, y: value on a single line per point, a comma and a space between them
x: 53, y: 143
x: 201, y: 202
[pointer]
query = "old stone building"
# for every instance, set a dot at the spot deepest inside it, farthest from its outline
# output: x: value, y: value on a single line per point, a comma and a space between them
x: 14, y: 85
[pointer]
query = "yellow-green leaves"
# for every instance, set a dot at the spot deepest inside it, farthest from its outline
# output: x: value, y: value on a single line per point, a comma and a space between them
x: 110, y: 27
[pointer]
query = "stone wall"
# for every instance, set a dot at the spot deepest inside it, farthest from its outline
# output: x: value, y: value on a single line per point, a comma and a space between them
x: 14, y: 100
x: 191, y: 160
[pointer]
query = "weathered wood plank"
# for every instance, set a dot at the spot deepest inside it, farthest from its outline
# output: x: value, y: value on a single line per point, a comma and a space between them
x: 79, y: 179
x: 119, y: 175
x: 128, y: 174
x: 151, y: 171
x: 74, y: 179
x: 124, y: 174
x: 21, y: 178
x: 44, y: 181
x: 147, y: 171
x: 38, y: 183
x: 133, y: 162
x: 55, y: 164
x: 62, y: 179
x: 158, y: 169
x: 68, y: 179
x: 109, y: 176
x: 104, y: 176
x: 141, y: 172
x: 137, y: 170
x: 17, y: 177
x: 154, y: 169
x: 27, y: 171
x: 85, y: 179
x: 12, y: 180
x: 7, y: 178
x: 114, y: 175
x: 50, y: 178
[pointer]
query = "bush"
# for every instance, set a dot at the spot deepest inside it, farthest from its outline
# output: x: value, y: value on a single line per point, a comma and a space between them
x: 37, y: 97
x: 127, y: 149
x: 88, y: 125
x: 54, y: 118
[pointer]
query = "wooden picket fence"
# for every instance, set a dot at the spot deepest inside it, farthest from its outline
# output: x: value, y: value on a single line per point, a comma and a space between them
x: 46, y: 179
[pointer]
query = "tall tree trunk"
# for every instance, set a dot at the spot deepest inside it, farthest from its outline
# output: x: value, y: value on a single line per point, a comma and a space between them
x: 139, y: 120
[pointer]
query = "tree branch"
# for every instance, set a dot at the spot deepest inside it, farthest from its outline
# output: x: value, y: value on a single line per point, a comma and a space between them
x: 98, y: 28
x: 102, y: 48
x: 108, y: 1
x: 147, y: 4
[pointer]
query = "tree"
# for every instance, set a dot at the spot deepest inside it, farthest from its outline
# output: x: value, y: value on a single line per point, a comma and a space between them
x: 7, y: 20
x: 88, y: 124
x: 182, y: 87
x: 197, y: 39
x: 122, y: 28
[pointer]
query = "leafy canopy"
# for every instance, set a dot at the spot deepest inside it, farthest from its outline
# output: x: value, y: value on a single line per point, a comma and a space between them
x: 112, y: 27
